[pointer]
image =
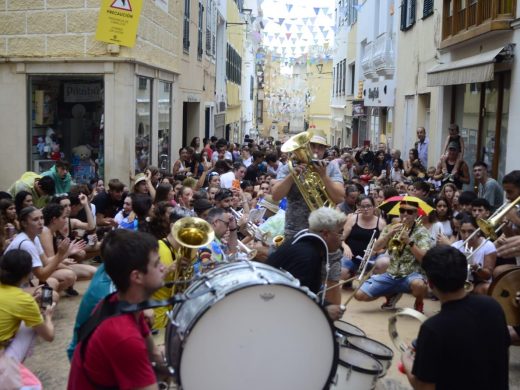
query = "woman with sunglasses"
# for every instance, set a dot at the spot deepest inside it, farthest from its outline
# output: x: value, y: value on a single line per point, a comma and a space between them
x: 358, y: 230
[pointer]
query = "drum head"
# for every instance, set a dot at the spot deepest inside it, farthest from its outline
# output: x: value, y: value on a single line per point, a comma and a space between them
x: 359, y: 361
x: 348, y: 329
x: 257, y: 338
x: 371, y: 347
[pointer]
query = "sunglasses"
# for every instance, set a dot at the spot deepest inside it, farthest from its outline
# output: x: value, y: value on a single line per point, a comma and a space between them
x: 407, y: 211
x: 224, y: 222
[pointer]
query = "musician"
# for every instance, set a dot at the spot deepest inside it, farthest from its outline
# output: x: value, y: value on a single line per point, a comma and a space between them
x: 404, y: 273
x: 482, y: 260
x: 465, y: 345
x: 297, y: 212
x: 119, y: 351
x: 224, y: 225
x: 306, y: 253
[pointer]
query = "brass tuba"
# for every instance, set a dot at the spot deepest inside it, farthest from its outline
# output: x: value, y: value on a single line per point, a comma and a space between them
x: 309, y: 182
x: 191, y: 234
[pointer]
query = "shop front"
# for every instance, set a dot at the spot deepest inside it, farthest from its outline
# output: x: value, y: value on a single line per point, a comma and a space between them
x: 104, y: 117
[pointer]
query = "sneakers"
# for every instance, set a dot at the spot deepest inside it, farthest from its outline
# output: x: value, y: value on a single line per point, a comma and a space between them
x: 70, y: 292
x: 419, y: 306
x: 391, y: 302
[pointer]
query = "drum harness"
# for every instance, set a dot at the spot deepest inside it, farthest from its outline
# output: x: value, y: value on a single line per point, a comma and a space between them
x: 305, y: 234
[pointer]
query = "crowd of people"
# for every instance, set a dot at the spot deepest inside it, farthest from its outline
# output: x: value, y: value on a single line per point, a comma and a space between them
x: 54, y: 233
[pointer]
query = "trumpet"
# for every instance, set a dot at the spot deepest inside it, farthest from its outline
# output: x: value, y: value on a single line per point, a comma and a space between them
x: 396, y: 245
x: 278, y: 241
x: 469, y: 252
x: 249, y: 253
x: 191, y: 233
x: 252, y: 229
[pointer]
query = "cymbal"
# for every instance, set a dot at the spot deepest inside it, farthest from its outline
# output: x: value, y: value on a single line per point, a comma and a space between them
x: 504, y: 289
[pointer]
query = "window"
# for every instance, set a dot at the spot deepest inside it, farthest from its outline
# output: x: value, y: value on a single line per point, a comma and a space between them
x: 427, y: 8
x: 186, y: 27
x: 209, y: 17
x: 143, y: 121
x: 251, y: 87
x: 343, y: 76
x: 260, y: 111
x: 407, y: 14
x: 334, y: 81
x: 164, y: 107
x: 351, y: 10
x: 352, y: 78
x: 199, y: 35
x: 233, y: 65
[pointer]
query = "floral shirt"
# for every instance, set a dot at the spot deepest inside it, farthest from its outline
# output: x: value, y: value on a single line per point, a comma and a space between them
x: 404, y: 264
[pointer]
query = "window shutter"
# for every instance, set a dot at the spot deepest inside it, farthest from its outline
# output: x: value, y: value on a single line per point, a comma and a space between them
x: 403, y: 15
x: 412, y: 11
x: 427, y: 8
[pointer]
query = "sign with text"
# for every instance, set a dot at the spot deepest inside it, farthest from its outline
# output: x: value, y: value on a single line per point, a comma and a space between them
x: 81, y: 93
x: 118, y: 21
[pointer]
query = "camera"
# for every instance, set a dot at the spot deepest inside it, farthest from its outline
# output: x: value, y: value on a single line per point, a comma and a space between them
x: 46, y: 299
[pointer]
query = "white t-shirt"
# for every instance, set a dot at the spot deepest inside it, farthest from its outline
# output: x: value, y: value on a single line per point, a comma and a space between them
x: 227, y: 156
x: 478, y: 257
x: 34, y: 248
x: 226, y: 180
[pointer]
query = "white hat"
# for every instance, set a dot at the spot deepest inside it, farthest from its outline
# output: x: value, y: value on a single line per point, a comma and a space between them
x: 318, y: 137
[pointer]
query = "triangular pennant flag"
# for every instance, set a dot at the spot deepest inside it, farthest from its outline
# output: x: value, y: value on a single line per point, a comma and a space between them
x: 280, y: 21
x: 299, y: 35
x: 288, y: 35
x: 324, y: 10
x: 299, y: 27
x: 317, y: 10
x: 288, y: 26
x: 321, y: 28
x: 312, y: 20
x: 289, y: 7
x: 293, y: 40
x: 305, y: 20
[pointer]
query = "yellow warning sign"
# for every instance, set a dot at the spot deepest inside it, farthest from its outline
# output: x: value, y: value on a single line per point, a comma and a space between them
x: 118, y: 21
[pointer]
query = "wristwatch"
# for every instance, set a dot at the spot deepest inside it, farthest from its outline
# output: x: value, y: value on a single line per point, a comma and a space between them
x: 411, y: 244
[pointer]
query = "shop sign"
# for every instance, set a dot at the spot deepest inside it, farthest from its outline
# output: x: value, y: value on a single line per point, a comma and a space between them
x: 118, y: 21
x: 80, y: 93
x: 358, y: 109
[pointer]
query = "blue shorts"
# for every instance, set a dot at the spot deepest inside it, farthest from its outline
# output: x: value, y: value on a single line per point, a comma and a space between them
x: 353, y: 264
x: 386, y: 284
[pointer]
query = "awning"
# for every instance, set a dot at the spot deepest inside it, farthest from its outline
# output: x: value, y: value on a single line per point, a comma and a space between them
x: 474, y: 69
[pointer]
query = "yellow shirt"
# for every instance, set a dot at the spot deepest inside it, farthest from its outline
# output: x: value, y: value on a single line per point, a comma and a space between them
x: 16, y: 306
x: 167, y: 260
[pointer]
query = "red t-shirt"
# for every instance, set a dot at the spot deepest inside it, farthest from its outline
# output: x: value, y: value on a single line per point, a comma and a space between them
x: 115, y: 356
x: 209, y: 151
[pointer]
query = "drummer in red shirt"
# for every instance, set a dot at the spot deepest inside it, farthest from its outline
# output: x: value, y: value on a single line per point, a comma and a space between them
x: 119, y: 352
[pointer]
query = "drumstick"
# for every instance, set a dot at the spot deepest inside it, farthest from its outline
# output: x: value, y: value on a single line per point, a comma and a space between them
x: 368, y: 275
x: 340, y: 283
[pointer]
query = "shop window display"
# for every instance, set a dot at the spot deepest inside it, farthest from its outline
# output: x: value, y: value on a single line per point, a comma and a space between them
x: 66, y: 122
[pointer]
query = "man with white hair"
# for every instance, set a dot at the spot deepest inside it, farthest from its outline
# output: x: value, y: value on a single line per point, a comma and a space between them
x: 305, y: 256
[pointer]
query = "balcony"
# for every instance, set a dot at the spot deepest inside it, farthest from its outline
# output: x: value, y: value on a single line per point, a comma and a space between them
x: 463, y: 20
x: 367, y: 63
x: 383, y: 55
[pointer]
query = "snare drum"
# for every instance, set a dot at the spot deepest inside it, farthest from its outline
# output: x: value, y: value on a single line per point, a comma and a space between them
x: 372, y: 348
x: 344, y: 329
x: 356, y: 370
x: 254, y: 329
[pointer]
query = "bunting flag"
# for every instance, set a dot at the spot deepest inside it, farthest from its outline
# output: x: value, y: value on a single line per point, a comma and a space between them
x: 289, y: 7
x: 317, y: 10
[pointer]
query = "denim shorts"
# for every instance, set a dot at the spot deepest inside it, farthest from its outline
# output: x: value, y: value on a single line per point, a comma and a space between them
x: 386, y: 284
x: 353, y: 264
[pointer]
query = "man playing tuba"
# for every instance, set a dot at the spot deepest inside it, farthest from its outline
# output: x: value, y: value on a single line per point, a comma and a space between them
x: 407, y: 242
x: 297, y: 212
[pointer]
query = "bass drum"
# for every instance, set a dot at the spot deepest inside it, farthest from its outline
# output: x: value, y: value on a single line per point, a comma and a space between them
x: 250, y: 326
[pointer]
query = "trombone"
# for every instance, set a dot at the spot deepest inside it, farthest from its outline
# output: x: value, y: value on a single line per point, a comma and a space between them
x: 490, y: 227
x: 366, y: 257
